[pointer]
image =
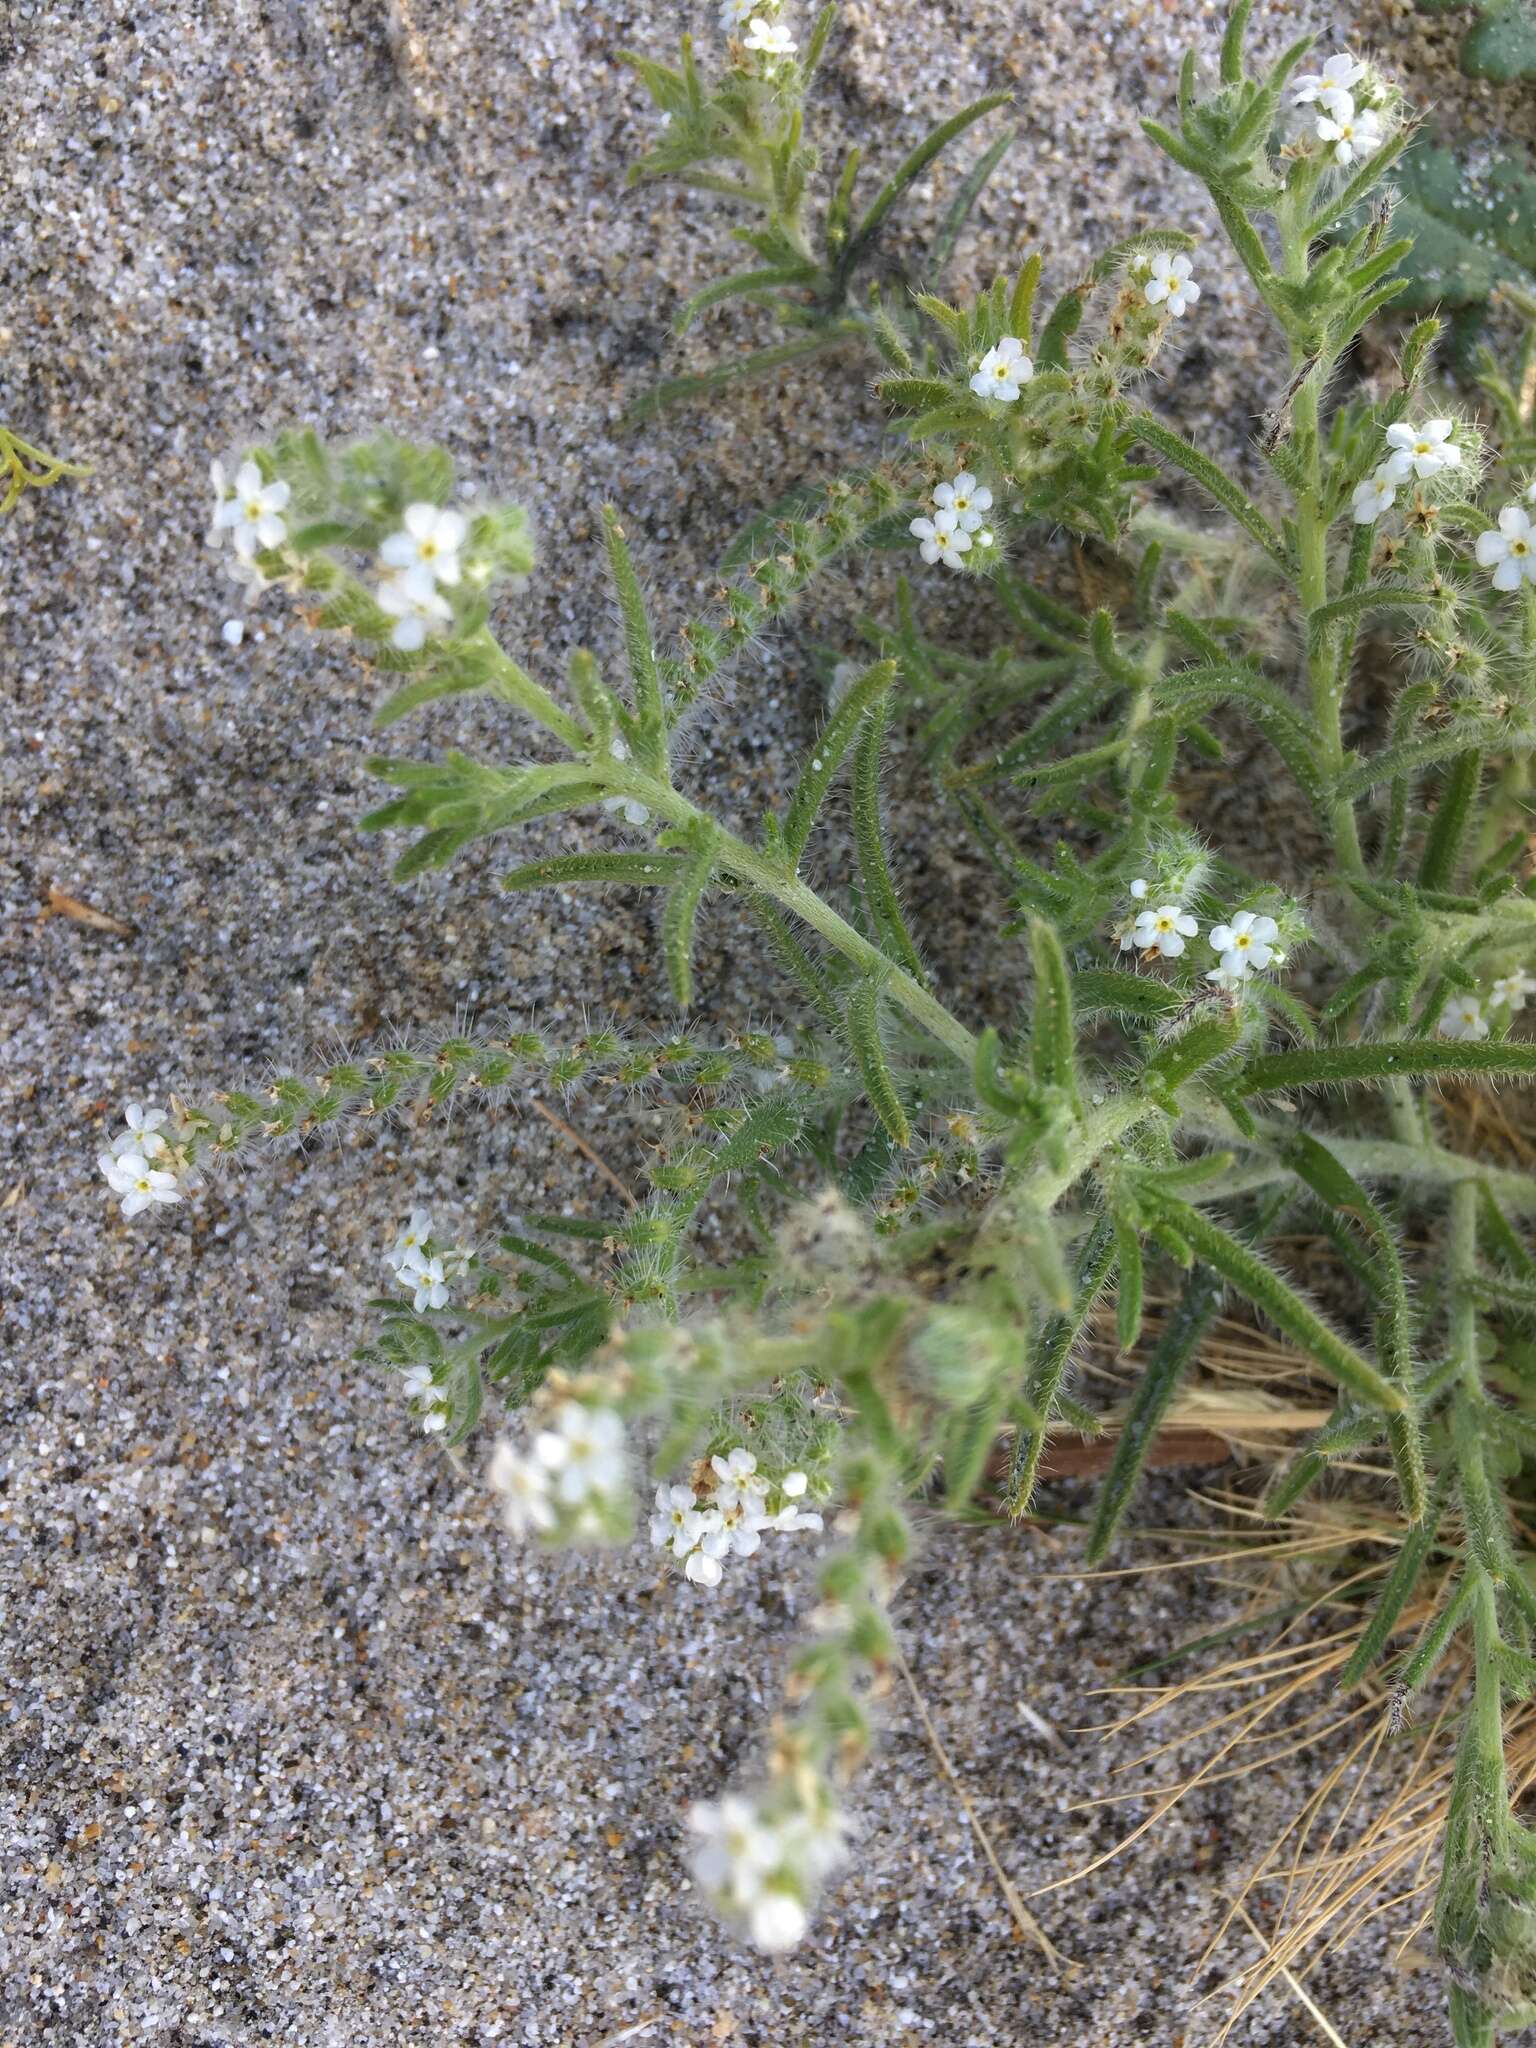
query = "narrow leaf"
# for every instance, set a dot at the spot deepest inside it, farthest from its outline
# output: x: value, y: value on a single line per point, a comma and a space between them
x: 1278, y: 1300
x: 863, y: 1020
x: 832, y: 743
x: 1175, y: 1348
x: 874, y: 873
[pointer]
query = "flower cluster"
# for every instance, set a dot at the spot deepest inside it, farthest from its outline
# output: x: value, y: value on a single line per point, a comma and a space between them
x: 1464, y: 1016
x: 760, y: 1864
x: 1509, y: 550
x: 958, y: 524
x: 1337, y: 96
x: 428, y: 1402
x: 250, y: 510
x: 1421, y: 453
x: 727, y: 1515
x: 147, y: 1163
x: 1245, y: 944
x: 420, y: 561
x: 572, y: 1482
x: 424, y: 1268
x: 1003, y: 371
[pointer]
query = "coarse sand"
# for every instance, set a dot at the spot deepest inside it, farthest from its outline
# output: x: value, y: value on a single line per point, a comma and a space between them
x: 299, y: 1748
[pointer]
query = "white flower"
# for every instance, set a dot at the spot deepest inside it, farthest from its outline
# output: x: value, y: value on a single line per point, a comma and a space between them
x: 770, y: 37
x: 1139, y: 889
x: 427, y: 1279
x: 966, y: 499
x: 426, y: 549
x: 777, y: 1921
x: 1463, y: 1018
x: 411, y: 1240
x: 1002, y: 371
x: 737, y: 1481
x: 1510, y: 551
x: 1352, y: 135
x: 1512, y: 989
x: 1421, y: 451
x: 1164, y: 930
x: 417, y: 1385
x: 790, y: 1518
x: 733, y: 13
x: 141, y: 1185
x: 143, y: 1134
x: 941, y: 539
x: 417, y: 609
x: 738, y: 1850
x: 1246, y: 943
x: 1171, y: 282
x: 1328, y: 87
x: 253, y: 513
x: 740, y: 1531
x: 702, y: 1569
x: 673, y: 1506
x: 523, y: 1484
x: 1376, y: 495
x: 1229, y: 978
x: 761, y: 1866
x: 584, y: 1450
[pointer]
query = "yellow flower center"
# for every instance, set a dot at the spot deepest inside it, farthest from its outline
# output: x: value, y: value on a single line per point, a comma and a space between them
x: 1519, y: 547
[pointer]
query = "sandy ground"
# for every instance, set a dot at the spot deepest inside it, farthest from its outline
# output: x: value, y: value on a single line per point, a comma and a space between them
x: 297, y: 1749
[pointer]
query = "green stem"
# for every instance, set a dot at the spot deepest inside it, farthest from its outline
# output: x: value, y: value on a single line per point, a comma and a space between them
x: 786, y: 888
x: 1325, y: 681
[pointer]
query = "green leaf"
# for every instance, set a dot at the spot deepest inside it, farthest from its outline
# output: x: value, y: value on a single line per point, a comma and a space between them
x: 682, y: 909
x: 1276, y: 1299
x: 1177, y: 450
x: 1053, y: 1049
x: 1335, y: 1066
x: 832, y: 743
x: 737, y: 370
x: 639, y: 649
x: 933, y: 144
x: 1059, y: 1337
x: 1110, y: 989
x: 1128, y: 1280
x: 1453, y: 815
x: 959, y: 210
x: 915, y: 394
x: 635, y: 870
x: 744, y: 284
x: 1402, y: 1581
x: 880, y: 896
x: 1208, y: 1039
x: 863, y: 1023
x: 1411, y: 755
x: 1175, y: 1349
